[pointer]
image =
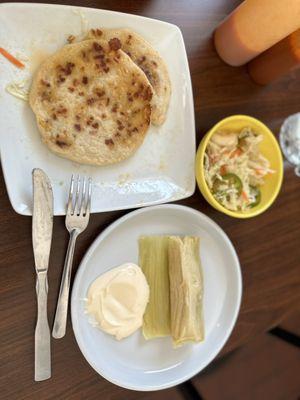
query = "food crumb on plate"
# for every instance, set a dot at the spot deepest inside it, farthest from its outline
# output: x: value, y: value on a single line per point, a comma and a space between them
x: 162, y: 165
x: 83, y: 21
x: 18, y: 89
x: 123, y: 178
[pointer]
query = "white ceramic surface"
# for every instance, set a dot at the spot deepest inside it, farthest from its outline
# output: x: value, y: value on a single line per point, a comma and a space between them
x: 135, y: 363
x: 162, y: 169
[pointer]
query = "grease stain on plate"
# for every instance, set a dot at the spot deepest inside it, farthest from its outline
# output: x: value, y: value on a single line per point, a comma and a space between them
x: 37, y: 57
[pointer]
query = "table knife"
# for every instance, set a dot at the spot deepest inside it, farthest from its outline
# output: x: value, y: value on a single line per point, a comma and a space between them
x: 42, y: 223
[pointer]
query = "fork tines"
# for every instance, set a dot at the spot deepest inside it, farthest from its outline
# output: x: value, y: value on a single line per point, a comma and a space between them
x: 80, y: 201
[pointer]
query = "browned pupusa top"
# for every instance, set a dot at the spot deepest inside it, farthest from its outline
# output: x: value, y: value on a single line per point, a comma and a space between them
x: 92, y: 103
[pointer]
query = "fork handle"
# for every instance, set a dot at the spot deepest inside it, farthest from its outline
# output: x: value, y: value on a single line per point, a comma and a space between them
x: 60, y: 321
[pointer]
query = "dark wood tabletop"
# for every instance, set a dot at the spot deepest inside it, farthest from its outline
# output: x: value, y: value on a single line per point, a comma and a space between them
x: 268, y: 246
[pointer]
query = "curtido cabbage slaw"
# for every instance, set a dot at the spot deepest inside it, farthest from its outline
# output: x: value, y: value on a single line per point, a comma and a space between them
x: 235, y: 169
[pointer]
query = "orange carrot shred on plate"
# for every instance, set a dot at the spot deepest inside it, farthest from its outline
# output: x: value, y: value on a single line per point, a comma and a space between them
x: 11, y: 58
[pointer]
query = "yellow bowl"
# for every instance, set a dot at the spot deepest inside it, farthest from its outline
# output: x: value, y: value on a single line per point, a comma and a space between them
x: 269, y: 148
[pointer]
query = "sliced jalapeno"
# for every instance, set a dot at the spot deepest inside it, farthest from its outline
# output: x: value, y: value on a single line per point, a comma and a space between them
x: 255, y: 191
x: 230, y: 181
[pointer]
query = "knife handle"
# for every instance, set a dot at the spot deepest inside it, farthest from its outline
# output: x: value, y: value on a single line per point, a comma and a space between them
x: 42, y: 362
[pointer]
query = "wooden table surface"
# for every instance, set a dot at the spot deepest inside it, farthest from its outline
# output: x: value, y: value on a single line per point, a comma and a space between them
x: 268, y: 246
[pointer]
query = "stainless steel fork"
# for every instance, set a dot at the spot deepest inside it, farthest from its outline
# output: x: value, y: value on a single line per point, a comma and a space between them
x: 77, y: 218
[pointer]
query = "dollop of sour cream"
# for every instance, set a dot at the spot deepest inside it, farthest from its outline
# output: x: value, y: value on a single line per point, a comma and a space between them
x: 116, y: 300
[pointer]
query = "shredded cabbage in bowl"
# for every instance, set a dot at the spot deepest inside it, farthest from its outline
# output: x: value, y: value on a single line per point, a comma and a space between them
x: 234, y: 169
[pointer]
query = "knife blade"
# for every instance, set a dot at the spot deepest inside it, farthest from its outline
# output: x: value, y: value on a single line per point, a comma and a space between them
x: 42, y: 224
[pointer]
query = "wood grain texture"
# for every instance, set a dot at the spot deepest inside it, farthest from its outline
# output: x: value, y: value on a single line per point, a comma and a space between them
x: 266, y: 368
x: 291, y: 323
x: 268, y: 246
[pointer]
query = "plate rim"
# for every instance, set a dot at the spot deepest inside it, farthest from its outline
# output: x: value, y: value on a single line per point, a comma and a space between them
x: 54, y: 5
x: 102, y: 235
x: 17, y: 206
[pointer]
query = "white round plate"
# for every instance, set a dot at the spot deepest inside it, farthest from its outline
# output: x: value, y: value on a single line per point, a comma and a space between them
x: 135, y: 363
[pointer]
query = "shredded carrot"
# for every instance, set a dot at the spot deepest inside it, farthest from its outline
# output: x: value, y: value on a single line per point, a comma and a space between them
x: 244, y: 195
x: 223, y: 169
x: 259, y: 171
x: 11, y: 58
x: 237, y: 152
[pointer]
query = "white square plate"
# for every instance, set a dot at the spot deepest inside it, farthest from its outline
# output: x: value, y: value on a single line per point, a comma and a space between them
x: 161, y: 170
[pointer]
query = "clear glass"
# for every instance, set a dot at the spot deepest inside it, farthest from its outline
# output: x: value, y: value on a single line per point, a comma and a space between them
x: 290, y: 140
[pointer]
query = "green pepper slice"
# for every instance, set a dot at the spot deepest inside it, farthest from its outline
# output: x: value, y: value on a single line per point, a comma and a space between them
x: 257, y: 195
x: 230, y: 180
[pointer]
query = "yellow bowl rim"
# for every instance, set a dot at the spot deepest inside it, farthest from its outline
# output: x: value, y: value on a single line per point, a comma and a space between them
x: 200, y: 158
